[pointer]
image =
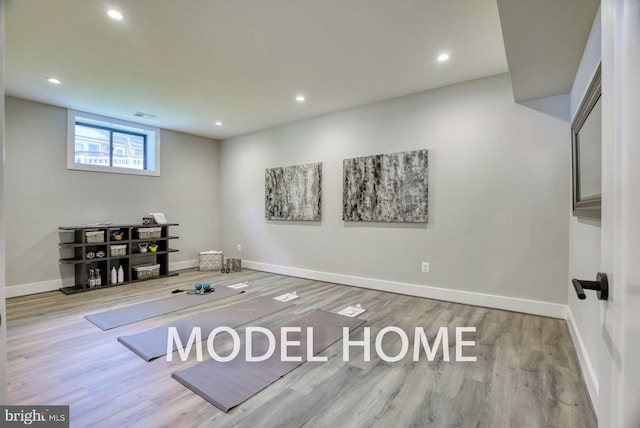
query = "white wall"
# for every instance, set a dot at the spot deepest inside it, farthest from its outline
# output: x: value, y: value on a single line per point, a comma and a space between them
x: 41, y: 194
x: 497, y: 196
x: 584, y: 241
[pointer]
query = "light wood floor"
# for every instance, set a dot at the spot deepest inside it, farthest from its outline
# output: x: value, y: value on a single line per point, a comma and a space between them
x: 527, y: 372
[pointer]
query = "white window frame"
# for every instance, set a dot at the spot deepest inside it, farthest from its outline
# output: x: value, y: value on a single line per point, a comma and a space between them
x: 153, y: 142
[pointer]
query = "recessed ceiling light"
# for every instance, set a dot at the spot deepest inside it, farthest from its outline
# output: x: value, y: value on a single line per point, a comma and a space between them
x: 300, y: 98
x: 218, y: 123
x: 53, y: 80
x: 115, y: 15
x: 443, y: 57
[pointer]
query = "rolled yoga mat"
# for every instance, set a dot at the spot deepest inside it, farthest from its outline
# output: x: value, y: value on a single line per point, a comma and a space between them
x: 141, y: 311
x: 152, y: 343
x: 227, y: 384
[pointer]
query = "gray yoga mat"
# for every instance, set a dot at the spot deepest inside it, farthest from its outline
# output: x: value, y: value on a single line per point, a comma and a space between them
x: 152, y: 343
x: 141, y: 311
x: 227, y: 384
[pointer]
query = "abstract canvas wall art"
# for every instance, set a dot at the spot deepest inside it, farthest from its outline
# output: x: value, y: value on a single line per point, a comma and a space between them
x: 386, y: 188
x: 294, y: 192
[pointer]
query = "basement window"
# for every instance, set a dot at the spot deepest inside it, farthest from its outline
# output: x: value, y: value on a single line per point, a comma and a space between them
x: 102, y: 144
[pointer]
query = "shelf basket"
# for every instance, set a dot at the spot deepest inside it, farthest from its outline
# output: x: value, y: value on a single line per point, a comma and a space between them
x: 145, y: 271
x: 149, y: 232
x: 118, y: 250
x: 94, y: 236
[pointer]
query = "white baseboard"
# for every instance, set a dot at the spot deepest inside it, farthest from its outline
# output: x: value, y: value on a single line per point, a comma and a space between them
x: 470, y: 298
x: 478, y: 299
x: 33, y: 288
x: 186, y: 264
x: 534, y: 307
x: 588, y: 372
x: 54, y: 284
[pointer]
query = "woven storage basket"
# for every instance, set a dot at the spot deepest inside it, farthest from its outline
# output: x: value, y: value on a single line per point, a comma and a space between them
x: 118, y: 250
x: 95, y: 236
x: 211, y: 261
x: 145, y: 271
x: 149, y: 232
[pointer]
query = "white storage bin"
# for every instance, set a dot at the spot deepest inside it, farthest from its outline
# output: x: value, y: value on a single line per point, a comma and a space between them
x: 211, y: 260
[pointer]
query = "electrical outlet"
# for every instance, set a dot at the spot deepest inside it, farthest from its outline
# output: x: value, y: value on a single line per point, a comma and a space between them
x: 239, y: 247
x: 425, y: 266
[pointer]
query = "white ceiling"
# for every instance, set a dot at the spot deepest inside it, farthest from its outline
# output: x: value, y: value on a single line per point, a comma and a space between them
x: 242, y: 62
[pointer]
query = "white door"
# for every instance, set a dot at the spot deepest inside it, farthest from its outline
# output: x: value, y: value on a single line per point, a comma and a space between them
x: 619, y: 357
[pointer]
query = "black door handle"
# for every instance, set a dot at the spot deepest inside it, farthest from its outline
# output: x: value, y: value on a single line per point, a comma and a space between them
x: 601, y: 285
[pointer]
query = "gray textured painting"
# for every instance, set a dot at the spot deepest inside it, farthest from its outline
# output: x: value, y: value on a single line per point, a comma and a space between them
x: 294, y: 192
x: 386, y: 188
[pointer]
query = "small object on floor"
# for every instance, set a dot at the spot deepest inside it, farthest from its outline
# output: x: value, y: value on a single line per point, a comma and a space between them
x: 239, y: 285
x: 211, y: 260
x: 227, y: 265
x: 352, y: 311
x: 177, y: 291
x: 202, y: 288
x: 288, y: 296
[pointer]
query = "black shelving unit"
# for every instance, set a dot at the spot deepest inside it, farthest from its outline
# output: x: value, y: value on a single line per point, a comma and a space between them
x: 74, y: 249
